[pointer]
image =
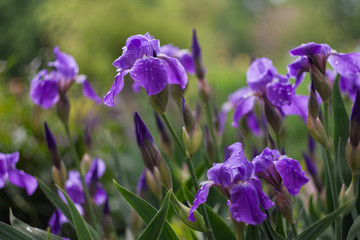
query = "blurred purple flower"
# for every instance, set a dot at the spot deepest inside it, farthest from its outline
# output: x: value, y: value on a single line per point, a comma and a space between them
x: 183, y: 55
x: 149, y: 68
x: 15, y: 176
x: 279, y: 169
x: 235, y: 178
x: 47, y: 87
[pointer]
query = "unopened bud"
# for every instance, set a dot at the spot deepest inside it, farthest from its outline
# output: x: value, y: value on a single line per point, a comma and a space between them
x: 153, y: 183
x: 59, y: 174
x: 317, y: 131
x: 183, y: 213
x: 197, y: 56
x: 322, y: 83
x: 345, y: 196
x: 51, y: 143
x: 176, y: 93
x: 87, y: 138
x: 160, y: 100
x: 197, y: 113
x: 209, y: 144
x: 165, y: 140
x: 164, y: 173
x: 63, y: 109
x: 85, y: 163
x: 136, y: 223
x: 273, y: 117
x: 353, y: 157
x: 204, y: 90
x: 284, y: 204
x: 313, y: 105
x: 355, y: 121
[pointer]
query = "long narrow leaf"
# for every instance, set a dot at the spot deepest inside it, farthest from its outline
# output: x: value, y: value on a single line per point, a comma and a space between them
x: 271, y: 231
x: 7, y: 232
x: 82, y: 230
x: 58, y: 203
x: 314, y: 230
x: 145, y: 211
x: 35, y: 233
x: 354, y: 230
x: 154, y: 228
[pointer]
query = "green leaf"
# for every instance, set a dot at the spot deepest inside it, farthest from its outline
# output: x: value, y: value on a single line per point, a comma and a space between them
x: 270, y: 230
x: 341, y: 133
x: 279, y: 224
x: 314, y: 230
x: 252, y: 233
x: 33, y: 232
x: 354, y: 230
x: 154, y: 228
x: 145, y: 211
x: 7, y: 232
x: 82, y: 230
x: 60, y: 204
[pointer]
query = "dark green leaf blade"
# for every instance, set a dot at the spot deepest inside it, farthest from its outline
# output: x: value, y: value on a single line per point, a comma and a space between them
x: 81, y: 228
x: 7, y: 232
x: 314, y: 230
x: 354, y: 230
x: 154, y: 228
x: 145, y: 211
x: 35, y: 233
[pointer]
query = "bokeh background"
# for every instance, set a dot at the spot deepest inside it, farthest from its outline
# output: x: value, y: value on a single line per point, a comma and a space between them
x: 231, y: 33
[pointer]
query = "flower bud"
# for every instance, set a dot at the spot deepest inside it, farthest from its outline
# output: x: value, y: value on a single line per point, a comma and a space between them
x: 85, y: 163
x: 322, y: 83
x: 176, y: 93
x: 51, y: 143
x: 196, y: 52
x: 164, y: 174
x: 209, y: 144
x: 87, y: 138
x: 353, y: 157
x: 153, y: 183
x: 284, y: 204
x: 204, y: 90
x: 345, y: 196
x: 192, y: 134
x: 59, y: 174
x: 317, y: 131
x: 197, y: 113
x: 183, y: 213
x: 355, y: 122
x: 160, y: 100
x: 136, y: 223
x: 63, y: 109
x: 313, y: 105
x: 165, y: 140
x: 273, y: 117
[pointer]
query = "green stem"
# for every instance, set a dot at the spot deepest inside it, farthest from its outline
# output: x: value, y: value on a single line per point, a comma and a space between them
x: 211, y: 128
x: 293, y: 227
x: 173, y: 133
x: 209, y: 233
x: 326, y: 117
x: 278, y: 144
x: 85, y: 188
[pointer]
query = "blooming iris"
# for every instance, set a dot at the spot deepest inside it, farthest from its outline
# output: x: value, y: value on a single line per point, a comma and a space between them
x: 73, y: 187
x: 149, y: 68
x: 235, y: 178
x: 277, y: 169
x: 347, y: 65
x: 48, y: 87
x: 15, y: 176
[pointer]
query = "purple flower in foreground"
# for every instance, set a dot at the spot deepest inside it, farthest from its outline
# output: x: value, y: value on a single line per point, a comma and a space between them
x: 235, y: 178
x: 183, y: 55
x: 15, y: 176
x: 47, y: 87
x: 149, y: 68
x: 279, y: 169
x: 313, y: 57
x: 266, y: 84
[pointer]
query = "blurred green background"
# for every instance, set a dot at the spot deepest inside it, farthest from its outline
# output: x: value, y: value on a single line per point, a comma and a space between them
x: 231, y: 33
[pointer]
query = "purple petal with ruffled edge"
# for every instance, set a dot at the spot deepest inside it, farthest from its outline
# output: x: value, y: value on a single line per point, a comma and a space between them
x: 65, y: 64
x: 74, y: 187
x: 306, y: 49
x: 115, y: 88
x: 345, y: 63
x: 88, y: 90
x: 280, y: 94
x: 151, y: 74
x: 23, y: 180
x: 265, y: 160
x: 44, y: 89
x: 265, y: 201
x: 292, y: 175
x: 186, y: 59
x: 175, y: 71
x: 298, y: 68
x: 200, y: 198
x: 96, y: 171
x: 242, y: 195
x: 240, y: 94
x: 298, y: 107
x: 242, y: 108
x: 350, y: 84
x: 260, y: 73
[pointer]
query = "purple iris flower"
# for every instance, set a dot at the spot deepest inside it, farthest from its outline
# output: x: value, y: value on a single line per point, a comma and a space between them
x: 183, y: 55
x: 347, y: 65
x: 15, y: 176
x: 279, y: 169
x: 235, y: 178
x: 147, y: 66
x: 266, y: 84
x: 47, y: 87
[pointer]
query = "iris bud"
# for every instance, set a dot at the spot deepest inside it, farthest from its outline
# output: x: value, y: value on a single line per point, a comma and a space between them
x: 204, y: 90
x: 164, y: 174
x: 160, y: 100
x: 273, y: 117
x: 59, y: 174
x: 153, y: 183
x: 322, y: 83
x: 317, y: 130
x: 197, y: 56
x: 353, y: 157
x: 51, y: 143
x: 165, y: 140
x: 313, y: 105
x: 345, y: 196
x: 63, y: 109
x: 284, y: 204
x: 183, y: 213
